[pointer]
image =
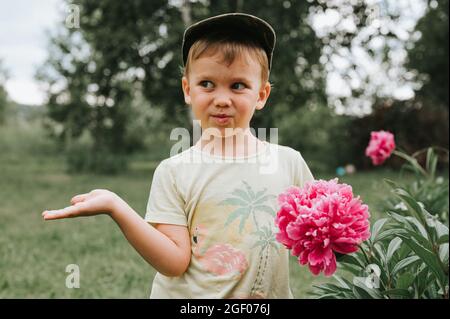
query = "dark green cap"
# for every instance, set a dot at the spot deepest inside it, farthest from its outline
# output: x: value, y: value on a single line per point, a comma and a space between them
x: 239, y: 25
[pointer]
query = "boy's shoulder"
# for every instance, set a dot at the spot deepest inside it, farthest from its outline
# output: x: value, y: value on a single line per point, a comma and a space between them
x: 176, y: 159
x: 286, y: 151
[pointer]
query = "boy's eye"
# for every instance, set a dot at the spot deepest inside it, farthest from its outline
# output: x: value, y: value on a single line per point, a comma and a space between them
x: 207, y: 84
x: 238, y: 86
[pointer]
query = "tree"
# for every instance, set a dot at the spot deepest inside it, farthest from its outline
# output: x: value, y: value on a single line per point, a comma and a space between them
x: 95, y: 72
x: 3, y: 94
x: 429, y: 55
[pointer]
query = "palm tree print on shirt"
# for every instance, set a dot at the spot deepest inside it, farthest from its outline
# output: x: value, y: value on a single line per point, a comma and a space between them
x: 250, y: 203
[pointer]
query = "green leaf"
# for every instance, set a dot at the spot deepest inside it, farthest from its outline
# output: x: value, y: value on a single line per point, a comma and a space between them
x: 404, y: 263
x: 397, y: 292
x: 344, y: 283
x: 403, y: 252
x: 332, y: 288
x: 329, y: 296
x: 390, y: 182
x: 415, y: 207
x: 443, y: 253
x: 422, y: 282
x: 364, y: 291
x: 419, y: 227
x: 402, y: 220
x: 443, y: 239
x: 392, y: 248
x: 355, y: 270
x: 427, y: 257
x: 381, y: 254
x: 441, y: 229
x: 431, y: 162
x: 409, y: 226
x: 413, y: 162
x: 360, y: 293
x: 389, y: 233
x: 351, y: 259
x: 405, y: 280
x: 376, y: 228
x: 419, y: 238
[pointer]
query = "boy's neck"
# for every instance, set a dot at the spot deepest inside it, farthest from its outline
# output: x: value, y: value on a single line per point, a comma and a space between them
x: 242, y: 144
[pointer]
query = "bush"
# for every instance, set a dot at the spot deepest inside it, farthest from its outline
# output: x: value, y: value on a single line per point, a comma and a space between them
x: 319, y: 134
x: 83, y: 156
x: 405, y: 122
x: 429, y: 189
x: 407, y: 255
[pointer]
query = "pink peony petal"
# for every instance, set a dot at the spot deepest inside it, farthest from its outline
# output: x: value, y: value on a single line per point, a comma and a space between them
x: 321, y: 218
x: 380, y: 147
x: 330, y: 268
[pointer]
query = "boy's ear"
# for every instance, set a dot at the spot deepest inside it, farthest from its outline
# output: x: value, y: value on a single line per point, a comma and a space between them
x: 186, y: 90
x: 264, y: 93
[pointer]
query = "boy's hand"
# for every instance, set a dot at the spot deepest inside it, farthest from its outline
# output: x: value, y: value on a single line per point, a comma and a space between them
x: 98, y: 201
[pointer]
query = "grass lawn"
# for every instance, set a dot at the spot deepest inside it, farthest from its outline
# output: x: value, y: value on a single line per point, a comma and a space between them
x: 34, y: 254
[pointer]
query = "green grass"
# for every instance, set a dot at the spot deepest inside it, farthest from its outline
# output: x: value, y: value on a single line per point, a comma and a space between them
x: 34, y: 254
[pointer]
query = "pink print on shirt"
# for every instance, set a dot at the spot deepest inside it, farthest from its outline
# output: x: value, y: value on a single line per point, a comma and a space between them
x: 219, y: 259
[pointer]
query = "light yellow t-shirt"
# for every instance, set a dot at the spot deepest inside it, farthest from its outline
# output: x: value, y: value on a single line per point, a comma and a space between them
x: 229, y: 206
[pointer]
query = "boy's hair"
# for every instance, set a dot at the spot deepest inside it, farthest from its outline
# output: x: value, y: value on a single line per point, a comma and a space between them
x: 230, y: 47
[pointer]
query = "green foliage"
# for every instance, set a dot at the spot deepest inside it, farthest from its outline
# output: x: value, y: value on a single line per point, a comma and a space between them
x: 428, y: 188
x: 87, y: 159
x: 3, y: 94
x: 21, y: 138
x: 3, y: 104
x: 429, y: 55
x: 407, y: 254
x: 410, y: 253
x: 317, y: 132
x: 414, y: 128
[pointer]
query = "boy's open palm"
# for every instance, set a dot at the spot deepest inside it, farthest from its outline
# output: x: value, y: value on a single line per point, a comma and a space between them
x: 98, y: 201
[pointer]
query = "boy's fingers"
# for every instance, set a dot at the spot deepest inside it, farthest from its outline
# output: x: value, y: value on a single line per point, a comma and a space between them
x: 68, y: 212
x: 78, y: 198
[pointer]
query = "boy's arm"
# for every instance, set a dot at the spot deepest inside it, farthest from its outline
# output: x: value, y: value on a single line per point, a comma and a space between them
x: 166, y: 248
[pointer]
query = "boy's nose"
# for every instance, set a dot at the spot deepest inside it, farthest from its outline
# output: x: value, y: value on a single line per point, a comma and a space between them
x: 222, y: 99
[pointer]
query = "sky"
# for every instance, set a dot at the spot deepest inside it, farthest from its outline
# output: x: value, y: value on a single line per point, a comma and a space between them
x: 23, y: 48
x: 23, y: 44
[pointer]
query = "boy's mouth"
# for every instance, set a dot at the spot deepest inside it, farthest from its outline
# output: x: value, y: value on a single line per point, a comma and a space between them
x: 221, y: 119
x: 221, y: 115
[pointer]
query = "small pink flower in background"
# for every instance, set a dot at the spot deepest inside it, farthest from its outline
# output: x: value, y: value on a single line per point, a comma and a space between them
x: 321, y: 218
x: 380, y: 147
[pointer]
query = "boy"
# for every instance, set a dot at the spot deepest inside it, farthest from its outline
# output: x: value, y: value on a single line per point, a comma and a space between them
x: 209, y: 227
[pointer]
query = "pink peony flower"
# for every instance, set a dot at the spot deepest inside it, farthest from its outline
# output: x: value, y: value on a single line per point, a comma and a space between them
x: 321, y: 218
x: 380, y: 147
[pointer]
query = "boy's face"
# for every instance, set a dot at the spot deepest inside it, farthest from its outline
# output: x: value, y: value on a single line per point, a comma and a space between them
x: 225, y: 96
